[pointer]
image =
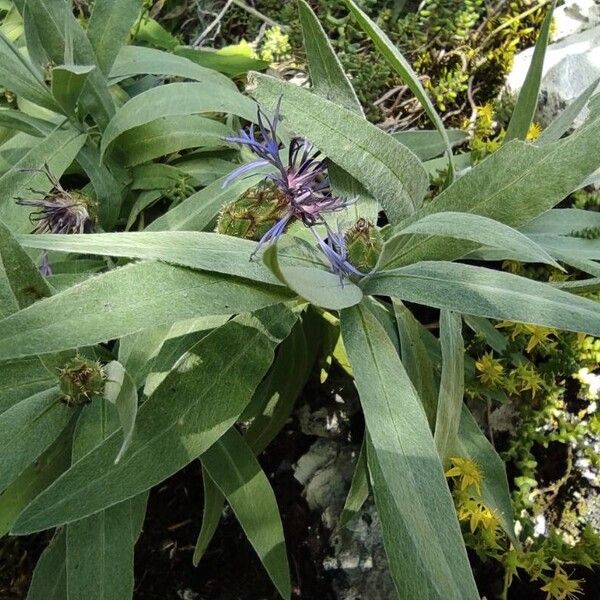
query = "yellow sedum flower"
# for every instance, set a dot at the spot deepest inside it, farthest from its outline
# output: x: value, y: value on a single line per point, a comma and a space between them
x: 534, y: 132
x: 467, y: 471
x: 276, y: 46
x: 560, y: 587
x: 490, y: 369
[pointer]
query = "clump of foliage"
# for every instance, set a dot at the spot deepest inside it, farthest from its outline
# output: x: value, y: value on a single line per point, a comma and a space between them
x: 130, y: 354
x: 461, y: 49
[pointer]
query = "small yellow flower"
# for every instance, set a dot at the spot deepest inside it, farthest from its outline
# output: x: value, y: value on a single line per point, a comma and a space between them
x: 467, y: 471
x: 529, y: 378
x: 534, y: 132
x: 276, y: 46
x: 560, y: 587
x: 490, y: 369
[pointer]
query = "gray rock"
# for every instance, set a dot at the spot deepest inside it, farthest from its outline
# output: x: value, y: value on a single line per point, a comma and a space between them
x: 571, y: 65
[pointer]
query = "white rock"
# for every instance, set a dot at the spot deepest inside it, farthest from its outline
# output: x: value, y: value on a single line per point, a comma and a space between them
x: 575, y: 16
x: 571, y: 65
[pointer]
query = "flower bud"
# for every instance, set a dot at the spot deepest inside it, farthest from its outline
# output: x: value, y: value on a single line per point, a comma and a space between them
x: 251, y: 216
x: 363, y: 242
x: 80, y: 380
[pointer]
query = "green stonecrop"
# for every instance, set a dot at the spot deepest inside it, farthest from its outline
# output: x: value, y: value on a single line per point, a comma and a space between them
x: 302, y: 240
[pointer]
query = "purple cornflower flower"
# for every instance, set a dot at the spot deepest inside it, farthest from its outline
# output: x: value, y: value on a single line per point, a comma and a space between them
x: 58, y: 211
x: 303, y: 181
x: 334, y: 248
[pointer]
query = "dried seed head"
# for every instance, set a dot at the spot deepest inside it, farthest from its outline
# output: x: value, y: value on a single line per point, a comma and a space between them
x: 363, y: 242
x: 80, y: 380
x: 255, y: 213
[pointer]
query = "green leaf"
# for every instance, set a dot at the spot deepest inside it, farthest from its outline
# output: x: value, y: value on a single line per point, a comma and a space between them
x: 428, y: 143
x: 21, y: 283
x: 326, y: 72
x: 53, y: 23
x: 19, y: 76
x: 214, y: 503
x: 49, y: 580
x: 153, y: 33
x: 176, y: 99
x: 359, y: 489
x: 513, y: 186
x: 528, y: 96
x: 137, y: 60
x: 186, y: 415
x: 318, y: 286
x: 275, y: 397
x: 19, y: 121
x: 386, y: 168
x: 21, y: 379
x: 200, y: 209
x: 27, y: 429
x: 471, y: 443
x: 117, y: 303
x: 67, y: 85
x: 561, y: 124
x: 416, y: 360
x: 198, y: 250
x: 467, y: 226
x: 107, y: 187
x: 391, y: 53
x: 57, y: 151
x: 168, y: 135
x: 121, y: 391
x: 487, y: 293
x: 329, y: 81
x: 452, y: 384
x: 421, y: 533
x: 232, y: 466
x: 224, y: 62
x: 34, y: 479
x: 109, y: 26
x: 100, y: 548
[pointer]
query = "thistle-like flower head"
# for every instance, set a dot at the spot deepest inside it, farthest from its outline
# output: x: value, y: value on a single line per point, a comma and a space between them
x: 303, y: 180
x: 334, y: 248
x: 60, y: 211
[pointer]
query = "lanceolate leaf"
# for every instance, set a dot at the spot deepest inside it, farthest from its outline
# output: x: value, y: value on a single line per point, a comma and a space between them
x: 198, y: 250
x: 27, y: 429
x: 121, y: 390
x: 326, y: 71
x: 137, y: 60
x: 359, y: 488
x: 109, y: 27
x: 487, y: 293
x: 20, y: 121
x: 117, y: 303
x: 528, y: 97
x: 318, y: 286
x: 55, y: 25
x: 100, y: 548
x: 21, y: 379
x: 200, y: 209
x: 514, y: 185
x: 232, y: 466
x: 187, y: 413
x: 387, y: 169
x: 214, y: 503
x: 170, y: 134
x: 473, y: 444
x: 67, y: 84
x: 421, y: 532
x: 391, y: 53
x: 176, y: 99
x: 34, y: 479
x: 467, y: 226
x: 452, y: 384
x: 20, y: 77
x: 49, y: 580
x: 561, y: 124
